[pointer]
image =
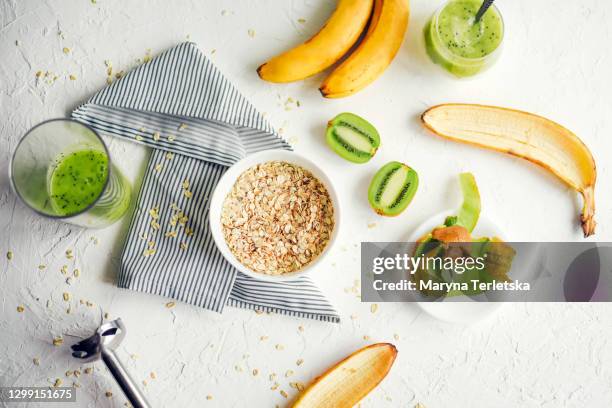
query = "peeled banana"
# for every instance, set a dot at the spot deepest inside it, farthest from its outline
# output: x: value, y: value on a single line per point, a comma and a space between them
x: 380, y: 45
x: 346, y: 383
x: 325, y: 48
x: 525, y: 135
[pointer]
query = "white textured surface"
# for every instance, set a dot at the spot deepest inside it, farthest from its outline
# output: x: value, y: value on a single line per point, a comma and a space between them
x: 555, y: 62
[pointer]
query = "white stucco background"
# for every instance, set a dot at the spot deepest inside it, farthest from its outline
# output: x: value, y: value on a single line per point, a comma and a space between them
x: 555, y: 62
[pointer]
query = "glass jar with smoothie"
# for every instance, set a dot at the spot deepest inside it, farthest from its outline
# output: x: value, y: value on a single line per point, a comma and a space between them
x: 62, y: 169
x: 459, y: 43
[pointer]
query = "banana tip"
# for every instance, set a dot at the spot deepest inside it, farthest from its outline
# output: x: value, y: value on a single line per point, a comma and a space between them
x: 259, y: 69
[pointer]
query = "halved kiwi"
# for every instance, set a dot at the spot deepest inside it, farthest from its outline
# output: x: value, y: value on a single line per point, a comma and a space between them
x: 392, y: 188
x: 352, y: 137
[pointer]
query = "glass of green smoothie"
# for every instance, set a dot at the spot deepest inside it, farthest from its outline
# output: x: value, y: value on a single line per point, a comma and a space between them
x: 62, y: 169
x: 459, y: 43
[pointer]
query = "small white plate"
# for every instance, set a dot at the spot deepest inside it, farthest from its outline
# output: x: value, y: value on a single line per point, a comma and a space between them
x: 468, y: 311
x: 227, y: 182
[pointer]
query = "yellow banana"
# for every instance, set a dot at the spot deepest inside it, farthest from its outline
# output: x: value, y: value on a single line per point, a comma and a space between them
x: 378, y: 48
x: 525, y: 135
x: 346, y: 383
x: 325, y: 48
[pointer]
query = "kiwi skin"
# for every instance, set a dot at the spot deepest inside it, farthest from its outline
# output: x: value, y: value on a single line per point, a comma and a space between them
x: 358, y: 124
x: 377, y: 186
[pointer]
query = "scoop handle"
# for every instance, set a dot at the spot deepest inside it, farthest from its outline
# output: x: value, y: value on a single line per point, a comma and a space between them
x: 127, y: 384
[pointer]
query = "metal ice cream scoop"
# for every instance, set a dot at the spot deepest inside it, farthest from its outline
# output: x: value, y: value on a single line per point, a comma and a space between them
x: 102, y: 345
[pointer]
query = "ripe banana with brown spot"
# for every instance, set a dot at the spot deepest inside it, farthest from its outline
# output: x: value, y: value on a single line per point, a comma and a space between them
x: 524, y: 135
x: 378, y: 48
x: 325, y: 48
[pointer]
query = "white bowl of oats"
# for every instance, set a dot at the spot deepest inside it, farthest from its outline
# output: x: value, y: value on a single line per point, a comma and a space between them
x: 274, y: 215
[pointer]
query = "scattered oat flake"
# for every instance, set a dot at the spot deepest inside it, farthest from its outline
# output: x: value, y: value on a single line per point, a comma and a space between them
x: 170, y: 305
x: 366, y: 337
x: 39, y: 74
x: 88, y: 370
x: 66, y: 50
x: 185, y: 184
x: 289, y: 373
x: 188, y: 194
x: 156, y: 136
x: 419, y: 405
x: 153, y: 375
x: 66, y: 296
x: 20, y: 309
x: 169, y: 156
x: 42, y: 267
x: 58, y: 341
x: 149, y: 252
x: 209, y: 397
x: 108, y: 394
x: 36, y: 361
x: 275, y: 386
x: 72, y: 77
x: 57, y: 383
x: 69, y: 254
x: 279, y: 347
x: 373, y: 307
x: 183, y: 246
x: 139, y: 138
x: 182, y: 126
x: 69, y: 373
x: 263, y: 338
x: 284, y: 394
x: 301, y: 20
x: 371, y: 225
x: 158, y: 167
x: 301, y: 328
x: 170, y: 234
x: 171, y: 138
x: 251, y: 33
x: 396, y: 336
x: 255, y: 372
x: 76, y: 273
x: 299, y: 362
x: 9, y: 255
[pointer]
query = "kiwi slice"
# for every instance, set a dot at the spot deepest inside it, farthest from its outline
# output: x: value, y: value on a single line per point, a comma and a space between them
x: 392, y: 188
x: 352, y: 137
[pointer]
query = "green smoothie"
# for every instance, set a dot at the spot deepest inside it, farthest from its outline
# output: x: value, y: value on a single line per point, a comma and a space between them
x: 459, y: 44
x: 78, y: 180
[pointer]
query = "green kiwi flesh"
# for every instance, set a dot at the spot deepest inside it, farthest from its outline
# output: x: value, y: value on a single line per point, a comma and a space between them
x: 352, y: 137
x: 392, y: 188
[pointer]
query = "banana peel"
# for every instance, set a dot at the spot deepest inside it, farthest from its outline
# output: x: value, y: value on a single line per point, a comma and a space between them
x: 351, y: 379
x: 525, y: 135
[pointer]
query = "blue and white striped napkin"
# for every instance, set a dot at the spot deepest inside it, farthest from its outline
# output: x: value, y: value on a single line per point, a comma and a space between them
x: 198, y: 124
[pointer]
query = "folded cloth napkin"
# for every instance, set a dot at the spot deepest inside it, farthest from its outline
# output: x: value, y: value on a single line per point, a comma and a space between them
x: 198, y: 124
